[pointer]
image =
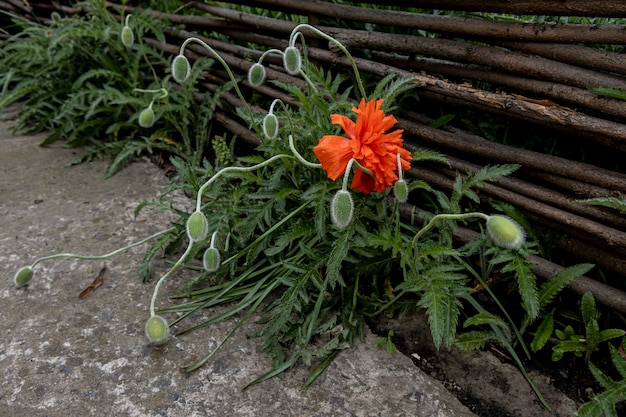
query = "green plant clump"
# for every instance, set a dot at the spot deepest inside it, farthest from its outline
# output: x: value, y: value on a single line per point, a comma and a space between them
x: 307, y: 231
x: 93, y: 82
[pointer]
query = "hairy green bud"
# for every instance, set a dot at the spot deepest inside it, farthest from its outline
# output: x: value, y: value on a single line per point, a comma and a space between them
x: 292, y: 60
x: 270, y: 126
x: 127, y: 36
x: 23, y: 276
x: 401, y: 191
x: 505, y: 232
x: 180, y: 68
x: 256, y: 74
x: 157, y: 330
x: 147, y: 117
x: 211, y: 260
x: 341, y: 209
x: 197, y: 226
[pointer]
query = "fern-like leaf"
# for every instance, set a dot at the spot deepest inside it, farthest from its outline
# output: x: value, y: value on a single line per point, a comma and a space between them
x: 604, y: 403
x: 554, y: 285
x: 475, y: 339
x: 611, y: 202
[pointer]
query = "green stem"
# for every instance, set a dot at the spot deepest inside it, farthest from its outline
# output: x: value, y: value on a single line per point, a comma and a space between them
x: 167, y: 274
x: 108, y: 255
x: 225, y: 65
x: 299, y: 157
x: 269, y: 51
x: 446, y: 216
x: 234, y: 169
x: 343, y: 49
x: 161, y: 90
x: 346, y: 175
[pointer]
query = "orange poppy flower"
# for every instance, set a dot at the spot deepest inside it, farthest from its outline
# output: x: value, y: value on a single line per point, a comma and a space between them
x: 368, y: 143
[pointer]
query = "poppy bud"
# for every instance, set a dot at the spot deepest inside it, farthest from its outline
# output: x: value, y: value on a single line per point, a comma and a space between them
x: 505, y: 232
x: 270, y: 126
x: 401, y: 191
x: 197, y: 227
x: 127, y: 36
x: 157, y: 330
x: 23, y: 276
x: 147, y: 117
x: 341, y: 209
x: 211, y: 259
x: 256, y: 74
x: 180, y: 68
x: 292, y: 60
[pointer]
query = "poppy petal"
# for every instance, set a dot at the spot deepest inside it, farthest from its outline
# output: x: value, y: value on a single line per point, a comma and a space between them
x: 334, y: 153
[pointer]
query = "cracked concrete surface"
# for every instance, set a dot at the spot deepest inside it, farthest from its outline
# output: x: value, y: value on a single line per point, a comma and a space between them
x: 65, y: 356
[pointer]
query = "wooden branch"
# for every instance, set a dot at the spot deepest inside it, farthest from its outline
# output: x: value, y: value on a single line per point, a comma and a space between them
x: 582, y: 56
x: 575, y: 187
x: 469, y: 28
x: 581, y: 98
x: 455, y: 139
x: 605, y: 133
x: 593, y: 8
x: 529, y: 66
x: 535, y: 67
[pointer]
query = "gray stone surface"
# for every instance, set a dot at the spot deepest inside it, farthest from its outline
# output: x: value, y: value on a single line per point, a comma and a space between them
x: 65, y: 356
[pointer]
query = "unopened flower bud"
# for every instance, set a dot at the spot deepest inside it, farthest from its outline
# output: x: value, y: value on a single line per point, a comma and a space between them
x: 256, y: 74
x: 157, y: 330
x: 401, y: 191
x: 23, y: 276
x: 147, y: 117
x: 341, y: 209
x: 197, y: 226
x: 211, y: 260
x: 270, y: 126
x: 127, y: 36
x: 505, y: 232
x: 180, y: 68
x: 292, y: 60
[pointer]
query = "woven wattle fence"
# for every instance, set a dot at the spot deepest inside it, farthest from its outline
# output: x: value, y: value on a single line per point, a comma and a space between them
x: 538, y: 74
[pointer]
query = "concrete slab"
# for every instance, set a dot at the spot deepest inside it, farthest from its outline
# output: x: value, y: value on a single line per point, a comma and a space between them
x: 65, y: 356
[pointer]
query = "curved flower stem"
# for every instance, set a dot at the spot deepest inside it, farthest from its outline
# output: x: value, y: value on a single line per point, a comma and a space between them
x: 292, y: 146
x: 167, y: 274
x: 343, y: 49
x: 400, y: 175
x: 226, y: 67
x: 96, y: 257
x: 234, y: 169
x: 446, y: 216
x: 346, y: 175
x: 269, y: 51
x: 161, y: 90
x: 300, y: 157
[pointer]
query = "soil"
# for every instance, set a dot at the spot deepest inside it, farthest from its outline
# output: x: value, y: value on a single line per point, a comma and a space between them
x: 488, y: 382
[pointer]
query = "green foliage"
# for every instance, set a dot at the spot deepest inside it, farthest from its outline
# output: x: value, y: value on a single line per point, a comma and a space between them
x: 611, y: 202
x: 612, y: 92
x: 614, y: 391
x: 589, y: 342
x: 387, y: 342
x: 75, y: 79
